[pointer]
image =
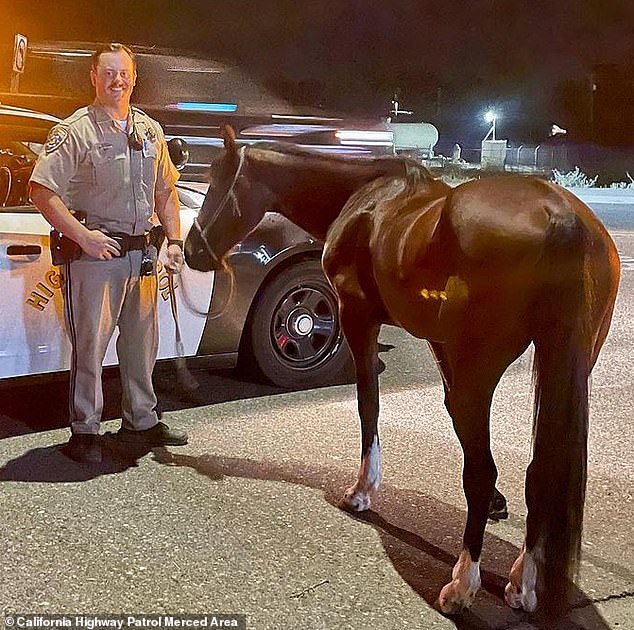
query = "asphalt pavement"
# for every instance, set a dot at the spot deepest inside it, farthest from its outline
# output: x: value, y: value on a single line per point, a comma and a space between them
x: 245, y: 519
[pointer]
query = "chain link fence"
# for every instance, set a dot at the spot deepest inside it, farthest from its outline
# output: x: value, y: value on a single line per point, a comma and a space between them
x: 610, y: 164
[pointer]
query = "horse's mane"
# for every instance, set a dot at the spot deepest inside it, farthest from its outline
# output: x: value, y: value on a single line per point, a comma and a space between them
x: 389, y: 165
x: 415, y: 173
x: 410, y: 169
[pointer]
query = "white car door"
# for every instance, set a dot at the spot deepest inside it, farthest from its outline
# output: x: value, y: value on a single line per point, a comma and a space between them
x: 32, y: 336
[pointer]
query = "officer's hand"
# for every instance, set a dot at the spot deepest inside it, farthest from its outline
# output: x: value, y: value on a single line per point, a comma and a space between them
x: 175, y: 259
x: 99, y: 245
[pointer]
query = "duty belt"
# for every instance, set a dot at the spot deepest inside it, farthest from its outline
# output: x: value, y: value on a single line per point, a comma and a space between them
x: 128, y: 242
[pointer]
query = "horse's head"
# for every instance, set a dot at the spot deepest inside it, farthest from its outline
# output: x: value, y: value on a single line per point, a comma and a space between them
x: 232, y: 208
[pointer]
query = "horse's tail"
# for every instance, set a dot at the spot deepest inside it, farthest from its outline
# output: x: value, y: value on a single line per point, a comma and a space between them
x: 556, y: 478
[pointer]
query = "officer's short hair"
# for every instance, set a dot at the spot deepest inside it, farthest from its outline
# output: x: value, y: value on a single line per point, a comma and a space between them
x: 112, y: 47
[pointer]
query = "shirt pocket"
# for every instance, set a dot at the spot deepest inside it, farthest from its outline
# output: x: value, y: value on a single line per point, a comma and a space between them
x: 150, y: 160
x: 109, y: 167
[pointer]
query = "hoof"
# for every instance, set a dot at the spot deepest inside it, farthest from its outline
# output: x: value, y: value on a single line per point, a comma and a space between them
x: 459, y: 594
x: 515, y: 598
x: 451, y: 602
x: 355, y: 501
x: 498, y: 509
x: 498, y: 515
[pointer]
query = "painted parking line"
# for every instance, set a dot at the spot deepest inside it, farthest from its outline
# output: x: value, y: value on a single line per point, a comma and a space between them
x: 627, y: 262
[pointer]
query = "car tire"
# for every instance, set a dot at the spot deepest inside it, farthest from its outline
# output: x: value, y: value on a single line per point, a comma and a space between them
x: 293, y: 337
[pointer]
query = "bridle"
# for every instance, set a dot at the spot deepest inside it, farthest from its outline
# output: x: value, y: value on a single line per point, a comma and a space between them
x: 230, y: 194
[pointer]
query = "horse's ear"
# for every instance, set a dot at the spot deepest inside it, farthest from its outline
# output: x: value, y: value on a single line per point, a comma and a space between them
x: 229, y: 138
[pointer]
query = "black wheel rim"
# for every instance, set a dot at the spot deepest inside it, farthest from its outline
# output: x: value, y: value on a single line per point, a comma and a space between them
x: 304, y: 327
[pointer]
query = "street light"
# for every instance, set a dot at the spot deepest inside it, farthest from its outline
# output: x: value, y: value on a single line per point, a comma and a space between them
x: 490, y: 117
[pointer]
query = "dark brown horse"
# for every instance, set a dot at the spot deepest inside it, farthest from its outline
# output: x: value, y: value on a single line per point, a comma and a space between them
x: 480, y: 271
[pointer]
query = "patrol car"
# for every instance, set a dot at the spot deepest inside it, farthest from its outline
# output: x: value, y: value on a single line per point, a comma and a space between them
x: 276, y: 314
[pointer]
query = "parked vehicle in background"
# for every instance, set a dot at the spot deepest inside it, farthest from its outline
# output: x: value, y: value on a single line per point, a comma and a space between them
x: 192, y: 98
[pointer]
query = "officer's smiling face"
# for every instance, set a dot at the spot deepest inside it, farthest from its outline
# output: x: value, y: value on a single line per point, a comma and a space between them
x: 114, y: 78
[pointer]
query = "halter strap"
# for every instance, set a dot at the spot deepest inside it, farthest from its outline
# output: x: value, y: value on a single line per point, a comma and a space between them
x: 230, y: 194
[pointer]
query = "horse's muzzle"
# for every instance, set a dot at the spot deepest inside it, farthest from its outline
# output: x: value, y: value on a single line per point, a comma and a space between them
x: 198, y: 254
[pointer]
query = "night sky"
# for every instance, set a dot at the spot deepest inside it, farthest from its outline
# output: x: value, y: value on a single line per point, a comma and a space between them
x: 449, y: 60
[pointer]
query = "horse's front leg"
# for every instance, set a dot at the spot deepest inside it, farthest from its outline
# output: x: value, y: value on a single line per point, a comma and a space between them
x: 362, y: 335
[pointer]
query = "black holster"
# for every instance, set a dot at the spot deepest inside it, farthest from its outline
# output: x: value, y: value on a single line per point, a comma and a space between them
x: 64, y: 249
x: 155, y: 239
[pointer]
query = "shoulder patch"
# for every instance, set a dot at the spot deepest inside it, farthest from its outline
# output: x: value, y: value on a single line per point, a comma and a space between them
x: 56, y: 137
x: 150, y: 134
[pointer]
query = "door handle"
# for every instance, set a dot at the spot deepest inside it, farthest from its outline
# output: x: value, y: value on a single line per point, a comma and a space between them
x: 23, y: 250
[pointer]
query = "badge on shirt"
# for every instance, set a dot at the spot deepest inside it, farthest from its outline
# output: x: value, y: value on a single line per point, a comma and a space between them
x: 56, y: 137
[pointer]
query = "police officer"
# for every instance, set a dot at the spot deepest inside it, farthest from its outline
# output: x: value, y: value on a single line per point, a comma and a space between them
x: 110, y: 162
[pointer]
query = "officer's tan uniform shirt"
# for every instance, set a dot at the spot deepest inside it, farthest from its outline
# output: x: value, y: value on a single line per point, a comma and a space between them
x: 88, y: 162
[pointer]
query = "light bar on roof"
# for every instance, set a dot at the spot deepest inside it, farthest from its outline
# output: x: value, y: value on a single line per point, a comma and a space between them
x: 292, y: 117
x: 199, y: 70
x: 374, y: 138
x: 203, y: 107
x: 284, y: 130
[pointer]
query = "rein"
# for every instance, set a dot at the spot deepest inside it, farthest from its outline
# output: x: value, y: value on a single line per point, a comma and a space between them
x: 185, y: 292
x: 184, y: 377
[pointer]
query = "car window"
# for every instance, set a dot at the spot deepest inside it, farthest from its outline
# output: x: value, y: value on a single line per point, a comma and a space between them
x: 17, y: 160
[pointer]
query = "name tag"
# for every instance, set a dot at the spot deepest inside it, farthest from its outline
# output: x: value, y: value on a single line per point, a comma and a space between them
x: 102, y: 153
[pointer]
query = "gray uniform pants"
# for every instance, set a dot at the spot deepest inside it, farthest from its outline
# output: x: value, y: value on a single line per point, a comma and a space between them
x: 100, y: 295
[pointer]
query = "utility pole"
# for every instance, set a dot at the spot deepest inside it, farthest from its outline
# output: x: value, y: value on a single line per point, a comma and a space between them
x: 395, y: 109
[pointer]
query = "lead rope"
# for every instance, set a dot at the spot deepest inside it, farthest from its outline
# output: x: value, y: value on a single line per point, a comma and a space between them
x: 185, y: 379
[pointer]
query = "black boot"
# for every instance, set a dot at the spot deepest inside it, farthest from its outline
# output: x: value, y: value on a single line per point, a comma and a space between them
x: 158, y: 435
x: 84, y: 448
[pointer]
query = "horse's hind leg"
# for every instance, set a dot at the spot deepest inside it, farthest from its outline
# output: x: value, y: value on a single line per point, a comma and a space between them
x: 361, y: 334
x: 470, y: 413
x: 520, y: 592
x: 475, y: 374
x: 498, y: 509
